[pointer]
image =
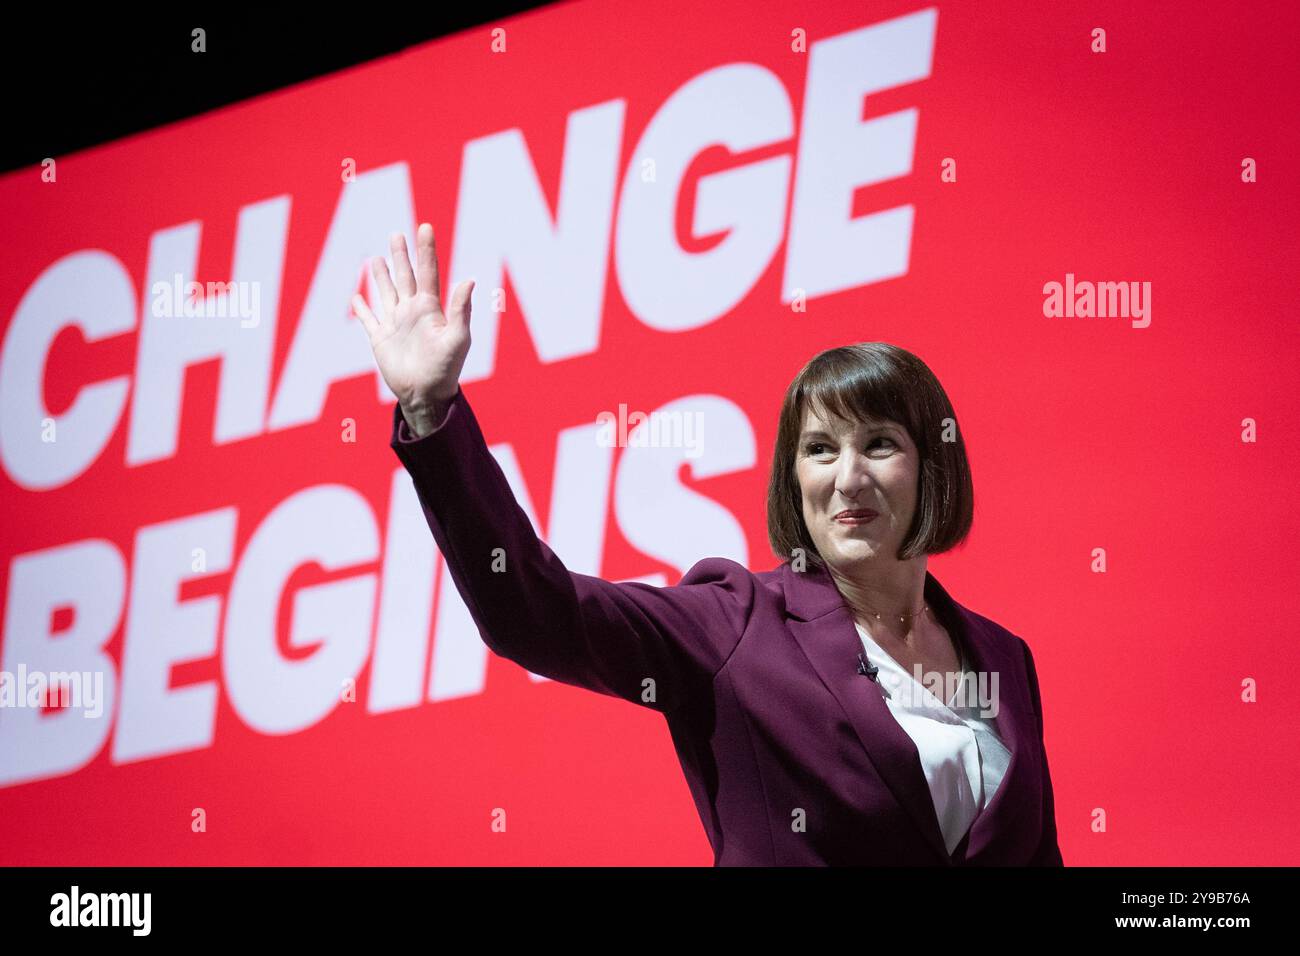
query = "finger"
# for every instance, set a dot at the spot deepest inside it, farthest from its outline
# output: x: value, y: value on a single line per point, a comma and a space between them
x: 461, y: 304
x: 379, y: 268
x: 363, y: 313
x: 402, y: 274
x: 426, y: 253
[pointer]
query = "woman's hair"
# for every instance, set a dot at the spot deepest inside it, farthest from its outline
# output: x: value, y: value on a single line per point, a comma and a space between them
x: 868, y: 382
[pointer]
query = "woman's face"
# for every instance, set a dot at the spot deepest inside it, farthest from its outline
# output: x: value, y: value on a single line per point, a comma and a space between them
x: 856, y: 465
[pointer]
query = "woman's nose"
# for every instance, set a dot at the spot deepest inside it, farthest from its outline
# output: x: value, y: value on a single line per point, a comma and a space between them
x: 853, y: 476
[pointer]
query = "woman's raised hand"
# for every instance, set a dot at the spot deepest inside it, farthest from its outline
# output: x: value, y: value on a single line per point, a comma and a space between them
x: 420, y: 349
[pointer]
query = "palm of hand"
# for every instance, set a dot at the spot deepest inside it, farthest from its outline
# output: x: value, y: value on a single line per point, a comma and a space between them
x: 418, y: 347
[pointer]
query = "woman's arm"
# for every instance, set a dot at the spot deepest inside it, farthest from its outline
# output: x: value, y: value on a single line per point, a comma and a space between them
x: 1049, y: 850
x: 651, y: 645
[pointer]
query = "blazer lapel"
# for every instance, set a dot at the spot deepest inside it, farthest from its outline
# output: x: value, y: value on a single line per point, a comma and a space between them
x: 1014, y: 723
x: 823, y: 625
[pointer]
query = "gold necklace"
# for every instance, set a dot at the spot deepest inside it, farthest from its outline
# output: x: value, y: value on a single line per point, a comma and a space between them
x: 902, y: 618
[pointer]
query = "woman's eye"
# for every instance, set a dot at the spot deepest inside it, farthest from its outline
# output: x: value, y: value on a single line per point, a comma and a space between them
x: 818, y: 448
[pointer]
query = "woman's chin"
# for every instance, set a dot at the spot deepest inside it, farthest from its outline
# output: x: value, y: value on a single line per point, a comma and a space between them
x: 851, y: 552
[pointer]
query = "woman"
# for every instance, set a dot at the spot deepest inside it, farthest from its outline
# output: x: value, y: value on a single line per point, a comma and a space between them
x: 800, y: 700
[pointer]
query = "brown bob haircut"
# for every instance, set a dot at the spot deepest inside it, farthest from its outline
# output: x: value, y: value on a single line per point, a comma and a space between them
x: 869, y: 382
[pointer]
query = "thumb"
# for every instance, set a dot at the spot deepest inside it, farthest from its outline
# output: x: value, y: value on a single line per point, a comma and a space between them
x: 461, y: 304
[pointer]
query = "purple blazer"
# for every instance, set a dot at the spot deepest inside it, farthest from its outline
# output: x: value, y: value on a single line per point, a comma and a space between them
x: 792, y: 757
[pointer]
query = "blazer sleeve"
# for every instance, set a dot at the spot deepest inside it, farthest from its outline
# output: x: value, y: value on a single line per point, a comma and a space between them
x: 1049, y: 850
x: 655, y: 646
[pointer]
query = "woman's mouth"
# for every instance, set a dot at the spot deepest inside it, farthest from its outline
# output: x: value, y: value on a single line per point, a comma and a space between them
x: 856, y: 516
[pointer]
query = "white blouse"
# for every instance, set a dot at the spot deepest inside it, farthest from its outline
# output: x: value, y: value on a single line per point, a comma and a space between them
x: 963, y: 758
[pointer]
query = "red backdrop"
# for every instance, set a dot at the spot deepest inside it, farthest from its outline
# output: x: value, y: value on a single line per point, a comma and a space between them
x: 205, y: 511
